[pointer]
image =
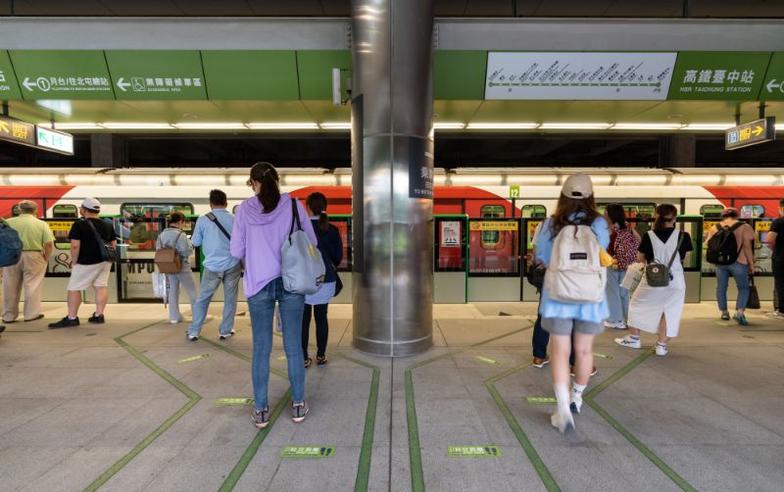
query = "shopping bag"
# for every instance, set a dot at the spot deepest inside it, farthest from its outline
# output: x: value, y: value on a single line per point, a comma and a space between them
x: 754, y: 300
x: 159, y: 287
x: 633, y: 276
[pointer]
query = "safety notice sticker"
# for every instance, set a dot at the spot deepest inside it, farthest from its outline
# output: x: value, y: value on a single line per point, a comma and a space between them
x: 307, y: 452
x: 474, y: 451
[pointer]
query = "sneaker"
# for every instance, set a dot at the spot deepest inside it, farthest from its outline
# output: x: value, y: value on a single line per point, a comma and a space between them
x: 35, y: 318
x: 175, y: 321
x: 741, y: 319
x: 630, y: 342
x: 593, y: 371
x: 260, y: 418
x: 725, y: 315
x: 661, y: 350
x: 539, y: 362
x: 775, y: 315
x: 616, y: 325
x: 193, y: 338
x: 321, y: 359
x: 97, y: 320
x: 227, y: 335
x: 308, y: 363
x: 64, y: 323
x: 564, y: 422
x: 577, y: 402
x: 299, y: 411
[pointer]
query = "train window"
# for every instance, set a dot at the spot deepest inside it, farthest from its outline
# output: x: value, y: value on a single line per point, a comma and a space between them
x: 491, y: 239
x: 154, y: 210
x: 500, y: 258
x: 640, y: 211
x: 752, y: 211
x: 65, y: 211
x: 711, y: 210
x: 534, y: 211
x: 15, y: 212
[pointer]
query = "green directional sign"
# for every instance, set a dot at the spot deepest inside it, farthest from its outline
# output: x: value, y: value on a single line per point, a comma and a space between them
x: 62, y: 74
x: 155, y: 74
x: 307, y: 451
x: 474, y: 451
x: 719, y: 75
x: 773, y: 84
x: 193, y: 359
x: 9, y: 87
x: 487, y: 360
x: 223, y: 402
x: 247, y: 75
x: 541, y: 400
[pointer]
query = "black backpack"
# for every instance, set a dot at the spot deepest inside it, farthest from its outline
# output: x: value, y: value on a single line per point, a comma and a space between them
x: 723, y: 248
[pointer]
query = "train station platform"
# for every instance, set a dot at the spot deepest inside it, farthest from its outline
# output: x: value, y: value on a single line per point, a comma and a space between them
x: 132, y: 405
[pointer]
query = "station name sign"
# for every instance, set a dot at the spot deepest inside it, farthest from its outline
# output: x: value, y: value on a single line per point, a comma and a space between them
x: 24, y: 133
x: 751, y: 133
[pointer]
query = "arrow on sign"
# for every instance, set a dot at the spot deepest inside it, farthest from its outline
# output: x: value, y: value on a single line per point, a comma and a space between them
x: 757, y: 131
x: 28, y: 84
x: 772, y: 85
x: 123, y: 85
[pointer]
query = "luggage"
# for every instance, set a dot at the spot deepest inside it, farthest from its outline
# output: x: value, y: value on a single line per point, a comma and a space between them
x: 723, y: 248
x: 658, y: 274
x: 167, y: 259
x: 575, y: 273
x: 302, y: 267
x: 10, y: 245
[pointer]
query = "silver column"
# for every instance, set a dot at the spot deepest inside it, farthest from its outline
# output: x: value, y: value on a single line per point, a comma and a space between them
x: 392, y: 160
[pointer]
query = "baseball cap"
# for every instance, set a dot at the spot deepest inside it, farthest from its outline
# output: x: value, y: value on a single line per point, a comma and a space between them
x: 91, y: 204
x: 730, y: 212
x: 577, y: 186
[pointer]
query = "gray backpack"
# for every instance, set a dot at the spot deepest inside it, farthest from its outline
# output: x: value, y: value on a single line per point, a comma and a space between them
x: 302, y: 268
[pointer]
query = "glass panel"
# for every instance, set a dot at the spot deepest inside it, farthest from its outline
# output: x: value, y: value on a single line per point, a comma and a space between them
x: 707, y: 225
x: 491, y: 238
x: 643, y: 211
x: 534, y: 211
x: 153, y: 210
x: 763, y: 256
x: 59, y: 261
x: 500, y: 256
x: 693, y: 258
x: 138, y: 234
x: 65, y: 211
x: 530, y: 229
x: 752, y: 211
x: 450, y: 245
x: 344, y: 228
x: 711, y: 211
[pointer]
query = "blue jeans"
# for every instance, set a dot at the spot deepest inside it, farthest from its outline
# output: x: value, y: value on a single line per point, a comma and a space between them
x: 210, y: 281
x: 741, y: 274
x: 617, y: 296
x: 262, y: 309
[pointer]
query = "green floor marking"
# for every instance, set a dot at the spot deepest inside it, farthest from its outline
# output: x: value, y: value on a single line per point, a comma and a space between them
x: 541, y: 400
x: 229, y: 402
x: 192, y: 396
x: 536, y: 461
x: 473, y: 451
x: 642, y: 448
x: 193, y: 359
x: 486, y: 359
x: 414, y: 448
x: 307, y: 452
x: 602, y: 356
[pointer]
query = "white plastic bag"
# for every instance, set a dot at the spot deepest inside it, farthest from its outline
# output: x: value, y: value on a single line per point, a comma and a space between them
x: 159, y: 286
x: 633, y: 276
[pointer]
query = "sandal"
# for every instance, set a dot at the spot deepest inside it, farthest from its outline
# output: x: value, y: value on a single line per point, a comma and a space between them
x: 308, y: 362
x: 321, y: 360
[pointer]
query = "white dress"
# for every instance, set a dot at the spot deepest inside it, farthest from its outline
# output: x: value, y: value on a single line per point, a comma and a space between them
x: 648, y: 304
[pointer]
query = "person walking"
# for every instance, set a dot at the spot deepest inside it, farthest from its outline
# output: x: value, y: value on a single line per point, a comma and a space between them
x: 262, y: 224
x: 624, y: 242
x: 213, y: 234
x: 37, y: 245
x: 658, y: 309
x: 89, y: 264
x: 331, y: 247
x: 775, y: 241
x: 174, y: 237
x: 572, y: 300
x: 739, y: 238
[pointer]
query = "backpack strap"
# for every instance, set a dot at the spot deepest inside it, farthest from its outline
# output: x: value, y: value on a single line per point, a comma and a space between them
x: 294, y: 217
x: 211, y: 216
x: 677, y: 249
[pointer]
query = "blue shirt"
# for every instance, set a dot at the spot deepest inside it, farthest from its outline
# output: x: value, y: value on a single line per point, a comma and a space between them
x: 214, y: 244
x: 593, y: 312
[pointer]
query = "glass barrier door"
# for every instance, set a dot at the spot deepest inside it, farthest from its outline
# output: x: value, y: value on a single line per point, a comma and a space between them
x: 343, y: 223
x: 58, y: 271
x: 450, y: 282
x: 692, y: 266
x: 529, y: 227
x: 494, y: 260
x: 763, y: 258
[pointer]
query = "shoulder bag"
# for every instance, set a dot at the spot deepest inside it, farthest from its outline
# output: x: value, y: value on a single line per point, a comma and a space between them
x: 107, y: 251
x: 167, y: 259
x: 657, y: 274
x: 211, y: 216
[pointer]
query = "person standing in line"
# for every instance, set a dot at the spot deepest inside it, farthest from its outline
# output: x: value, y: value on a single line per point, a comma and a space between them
x: 331, y: 247
x: 89, y: 266
x: 576, y: 207
x: 174, y: 237
x: 624, y: 242
x: 658, y: 309
x: 262, y: 224
x: 775, y: 241
x: 37, y: 244
x: 741, y: 270
x: 213, y: 234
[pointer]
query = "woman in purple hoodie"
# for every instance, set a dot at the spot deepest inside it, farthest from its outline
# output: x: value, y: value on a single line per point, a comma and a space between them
x: 261, y: 225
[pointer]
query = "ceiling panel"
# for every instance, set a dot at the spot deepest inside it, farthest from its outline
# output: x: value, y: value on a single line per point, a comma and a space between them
x: 325, y: 111
x: 59, y: 7
x: 455, y: 111
x: 287, y: 7
x: 449, y: 8
x: 599, y: 8
x: 490, y: 8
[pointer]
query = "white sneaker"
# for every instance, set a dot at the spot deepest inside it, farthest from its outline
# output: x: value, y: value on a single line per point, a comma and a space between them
x: 564, y: 422
x: 175, y: 321
x: 227, y: 336
x: 661, y: 350
x: 577, y: 402
x: 616, y: 325
x: 628, y: 341
x: 774, y: 315
x: 193, y: 338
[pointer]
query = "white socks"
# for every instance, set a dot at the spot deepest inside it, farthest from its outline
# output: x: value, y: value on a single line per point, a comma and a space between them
x: 577, y: 397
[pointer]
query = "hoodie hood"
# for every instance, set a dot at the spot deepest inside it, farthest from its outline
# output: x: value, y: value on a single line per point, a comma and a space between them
x: 254, y: 214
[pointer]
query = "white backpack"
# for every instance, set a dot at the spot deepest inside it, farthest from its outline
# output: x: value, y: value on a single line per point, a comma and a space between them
x: 575, y: 273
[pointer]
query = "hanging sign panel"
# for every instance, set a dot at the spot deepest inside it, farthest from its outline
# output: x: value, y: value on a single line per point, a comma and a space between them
x: 9, y: 88
x: 751, y: 133
x: 17, y: 131
x: 150, y: 75
x: 579, y: 76
x: 62, y: 74
x: 773, y: 83
x: 718, y: 75
x: 55, y: 141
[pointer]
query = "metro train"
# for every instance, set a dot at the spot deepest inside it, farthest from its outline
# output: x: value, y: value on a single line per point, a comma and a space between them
x: 139, y: 199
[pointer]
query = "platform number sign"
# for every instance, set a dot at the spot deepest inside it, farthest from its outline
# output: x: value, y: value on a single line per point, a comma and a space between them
x: 751, y: 133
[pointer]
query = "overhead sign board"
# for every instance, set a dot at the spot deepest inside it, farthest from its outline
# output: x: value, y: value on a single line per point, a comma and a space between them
x: 17, y: 131
x: 751, y: 133
x: 719, y: 75
x: 62, y: 74
x: 150, y: 75
x: 252, y: 74
x: 773, y: 83
x: 53, y: 140
x: 579, y: 76
x: 9, y: 88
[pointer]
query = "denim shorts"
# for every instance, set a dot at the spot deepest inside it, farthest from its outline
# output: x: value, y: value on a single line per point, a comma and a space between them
x: 561, y: 326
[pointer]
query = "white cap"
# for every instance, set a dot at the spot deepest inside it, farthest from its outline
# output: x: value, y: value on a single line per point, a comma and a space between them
x: 577, y: 186
x: 91, y: 204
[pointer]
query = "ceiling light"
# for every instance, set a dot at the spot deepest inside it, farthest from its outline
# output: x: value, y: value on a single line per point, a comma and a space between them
x: 447, y: 125
x: 708, y: 126
x: 136, y: 126
x: 502, y: 126
x: 646, y: 126
x: 72, y: 126
x: 335, y: 125
x: 283, y: 126
x: 210, y: 126
x: 574, y: 126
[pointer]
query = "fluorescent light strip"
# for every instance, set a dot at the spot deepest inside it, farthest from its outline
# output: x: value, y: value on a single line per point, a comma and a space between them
x: 574, y: 126
x: 210, y: 126
x: 708, y: 126
x: 136, y: 126
x: 502, y: 126
x: 72, y: 126
x: 283, y: 126
x: 335, y: 125
x: 446, y: 125
x: 646, y: 126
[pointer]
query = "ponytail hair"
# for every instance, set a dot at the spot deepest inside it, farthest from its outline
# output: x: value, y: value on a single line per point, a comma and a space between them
x: 617, y: 214
x: 269, y: 195
x: 666, y: 212
x: 317, y: 203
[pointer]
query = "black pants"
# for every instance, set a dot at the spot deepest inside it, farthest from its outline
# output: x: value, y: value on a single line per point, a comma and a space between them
x: 322, y: 329
x: 778, y: 284
x: 541, y: 338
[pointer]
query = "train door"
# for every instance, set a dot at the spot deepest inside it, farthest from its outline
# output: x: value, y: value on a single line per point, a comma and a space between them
x: 763, y: 258
x: 450, y: 277
x: 494, y: 260
x: 692, y: 267
x: 58, y: 271
x: 533, y: 216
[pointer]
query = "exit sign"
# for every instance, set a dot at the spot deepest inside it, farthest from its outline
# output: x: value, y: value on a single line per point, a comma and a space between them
x: 55, y: 141
x: 751, y: 133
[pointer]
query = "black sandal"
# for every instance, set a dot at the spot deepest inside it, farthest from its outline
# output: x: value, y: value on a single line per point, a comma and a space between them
x: 308, y: 363
x: 321, y: 360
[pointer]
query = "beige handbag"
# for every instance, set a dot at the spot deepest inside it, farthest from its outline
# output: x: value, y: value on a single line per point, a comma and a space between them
x: 167, y: 259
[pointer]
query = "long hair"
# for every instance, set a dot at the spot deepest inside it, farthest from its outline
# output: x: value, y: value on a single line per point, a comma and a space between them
x: 573, y: 210
x: 617, y: 214
x: 317, y: 203
x: 665, y: 212
x: 269, y: 195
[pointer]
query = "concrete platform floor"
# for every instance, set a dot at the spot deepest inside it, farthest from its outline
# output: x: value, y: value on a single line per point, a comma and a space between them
x: 131, y: 405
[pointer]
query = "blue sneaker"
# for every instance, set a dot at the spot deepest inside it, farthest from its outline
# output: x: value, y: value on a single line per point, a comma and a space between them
x: 741, y: 319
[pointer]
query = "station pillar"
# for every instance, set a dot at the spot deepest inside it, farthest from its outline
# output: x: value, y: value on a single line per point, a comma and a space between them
x: 392, y: 166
